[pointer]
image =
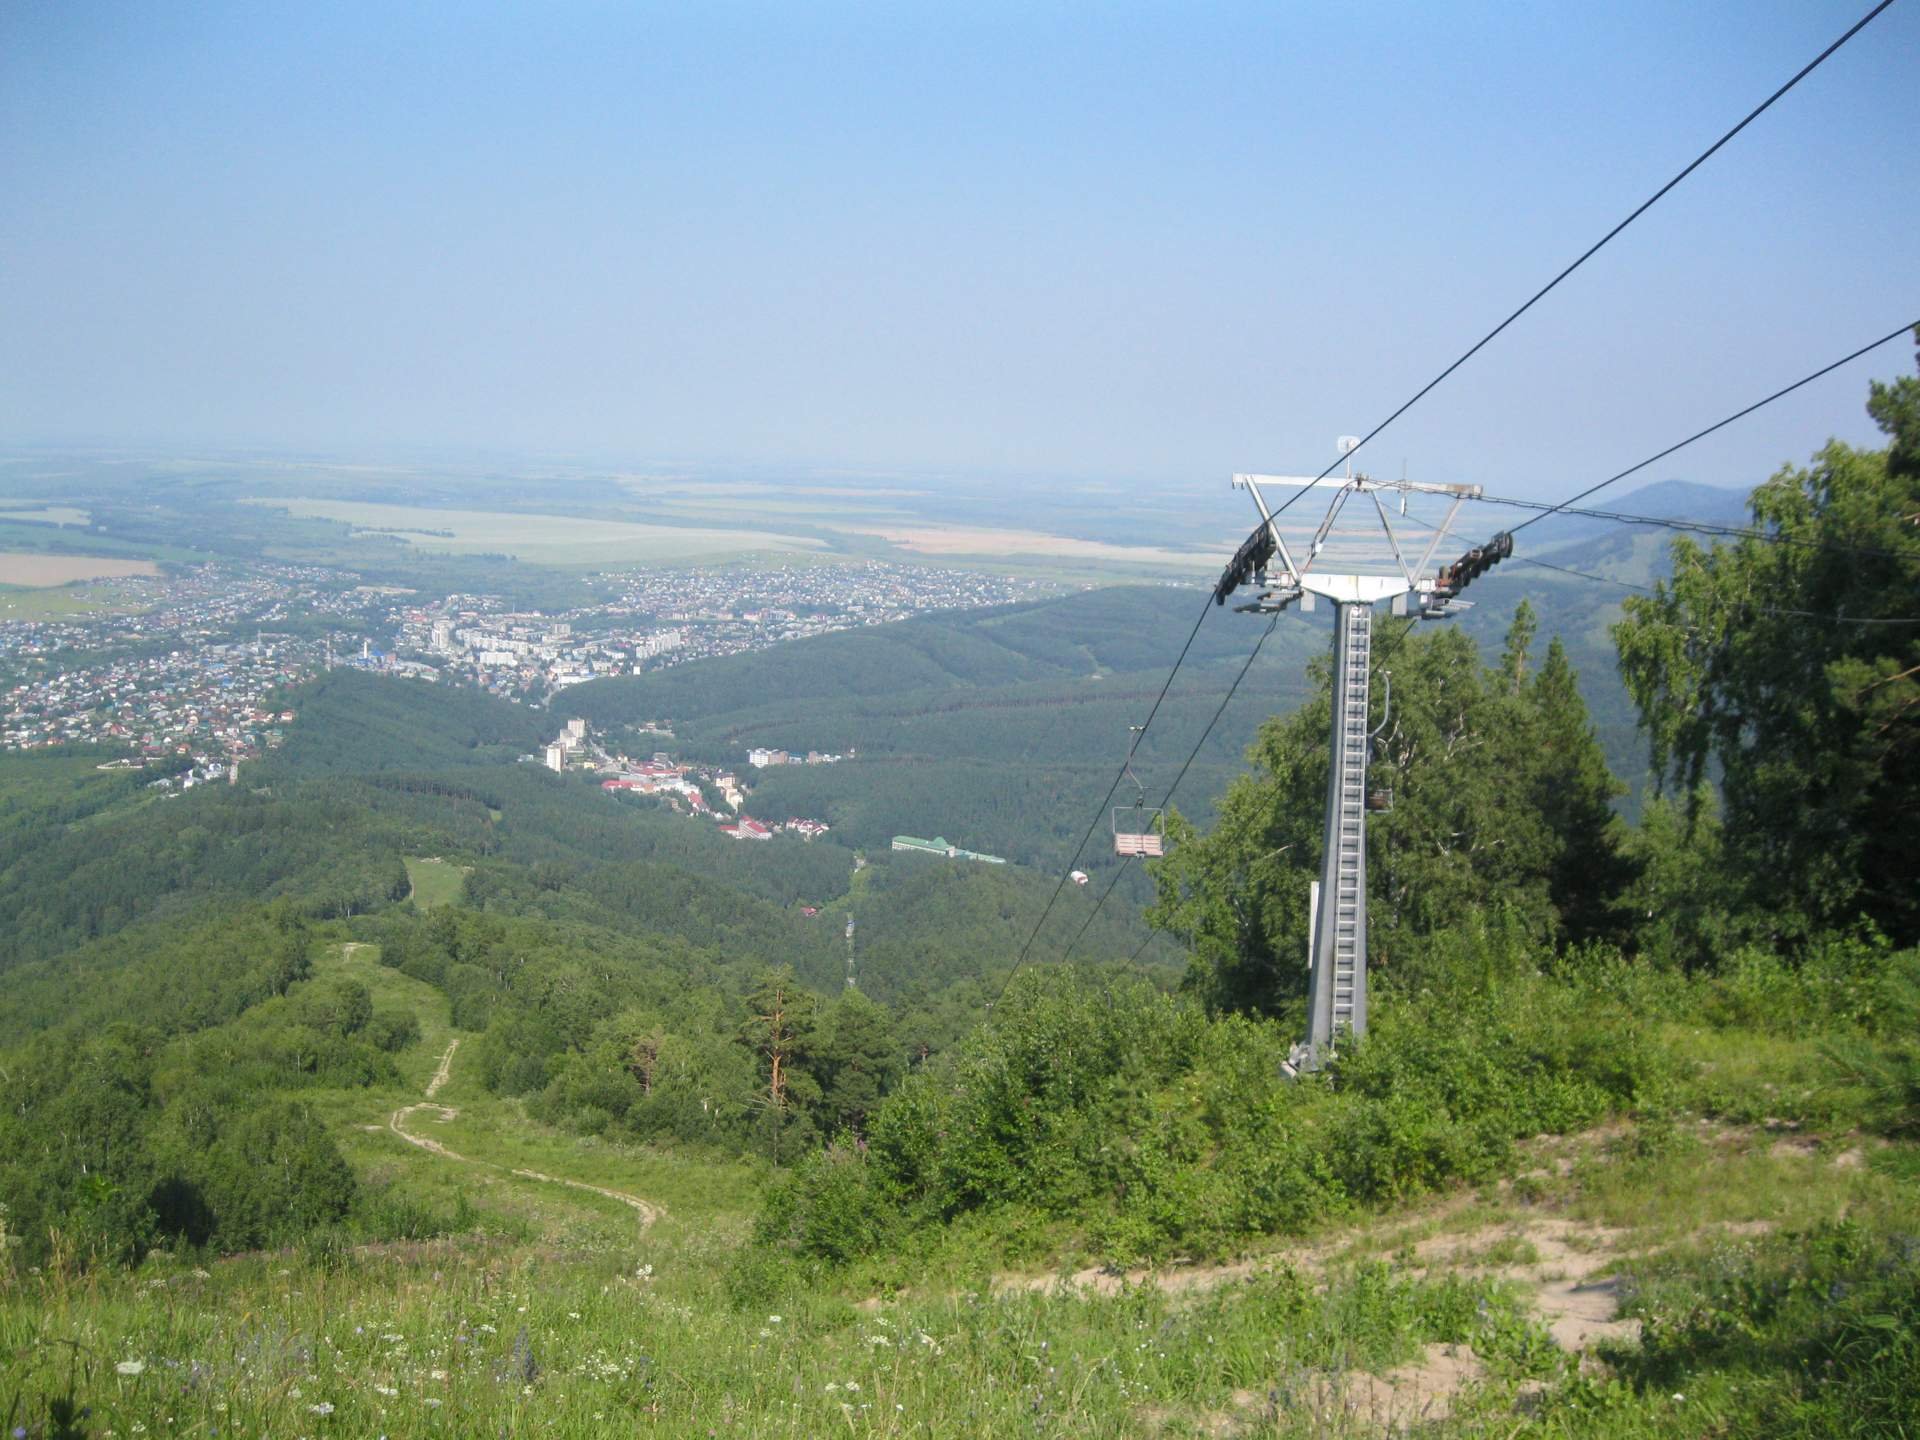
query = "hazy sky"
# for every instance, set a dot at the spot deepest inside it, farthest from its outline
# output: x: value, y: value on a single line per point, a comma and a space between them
x: 1150, y: 242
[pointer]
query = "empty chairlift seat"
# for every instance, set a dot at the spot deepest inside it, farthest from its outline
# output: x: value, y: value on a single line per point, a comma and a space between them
x: 1139, y: 832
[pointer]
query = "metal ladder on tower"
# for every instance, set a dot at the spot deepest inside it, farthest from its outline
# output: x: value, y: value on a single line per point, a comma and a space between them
x: 1350, y: 830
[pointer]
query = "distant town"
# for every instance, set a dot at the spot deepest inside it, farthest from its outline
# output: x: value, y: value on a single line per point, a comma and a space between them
x: 186, y: 668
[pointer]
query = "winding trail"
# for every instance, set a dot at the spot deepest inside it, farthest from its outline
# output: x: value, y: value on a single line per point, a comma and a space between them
x: 397, y: 1122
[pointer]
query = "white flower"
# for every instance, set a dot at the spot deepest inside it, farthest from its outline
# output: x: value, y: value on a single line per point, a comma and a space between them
x: 431, y: 1401
x: 131, y: 1367
x: 1679, y: 1399
x: 773, y: 1319
x: 437, y: 1374
x: 573, y: 1314
x: 386, y: 1390
x: 325, y: 1407
x: 854, y: 1386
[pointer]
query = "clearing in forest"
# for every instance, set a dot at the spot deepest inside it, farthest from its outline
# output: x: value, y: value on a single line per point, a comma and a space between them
x: 435, y: 881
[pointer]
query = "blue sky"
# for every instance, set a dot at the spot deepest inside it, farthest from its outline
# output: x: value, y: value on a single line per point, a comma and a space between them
x: 1150, y: 244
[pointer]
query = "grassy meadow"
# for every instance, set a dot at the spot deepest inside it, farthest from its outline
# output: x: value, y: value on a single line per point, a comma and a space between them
x: 1642, y: 1278
x: 435, y: 881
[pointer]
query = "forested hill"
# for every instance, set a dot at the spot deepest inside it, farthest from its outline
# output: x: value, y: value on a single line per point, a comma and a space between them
x: 353, y: 723
x: 1109, y: 631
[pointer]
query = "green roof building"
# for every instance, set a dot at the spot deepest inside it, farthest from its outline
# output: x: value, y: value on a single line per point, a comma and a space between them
x: 942, y: 847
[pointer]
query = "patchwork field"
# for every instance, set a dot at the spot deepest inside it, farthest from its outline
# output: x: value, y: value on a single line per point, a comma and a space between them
x: 49, y: 515
x: 34, y: 571
x: 947, y: 540
x: 545, y: 539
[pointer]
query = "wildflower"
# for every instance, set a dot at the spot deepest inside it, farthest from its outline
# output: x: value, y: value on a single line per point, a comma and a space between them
x: 573, y: 1314
x: 773, y: 1319
x: 437, y: 1374
x: 386, y: 1390
x: 325, y: 1407
x: 430, y: 1400
x: 131, y: 1367
x: 854, y: 1386
x: 1679, y: 1399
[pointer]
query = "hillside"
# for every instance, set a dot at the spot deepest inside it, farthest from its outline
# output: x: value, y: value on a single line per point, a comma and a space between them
x: 514, y: 1100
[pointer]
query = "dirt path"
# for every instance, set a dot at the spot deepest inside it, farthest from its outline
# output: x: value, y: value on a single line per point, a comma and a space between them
x: 446, y: 1069
x: 397, y: 1122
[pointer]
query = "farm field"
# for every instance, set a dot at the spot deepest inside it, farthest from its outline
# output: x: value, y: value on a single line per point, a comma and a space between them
x: 29, y: 571
x: 951, y: 540
x: 50, y: 603
x: 49, y: 515
x: 544, y: 539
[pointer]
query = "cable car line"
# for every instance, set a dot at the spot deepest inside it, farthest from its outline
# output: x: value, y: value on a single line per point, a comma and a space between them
x: 1640, y: 210
x: 1706, y: 527
x: 1167, y: 799
x: 1139, y: 734
x: 1761, y: 610
x: 1893, y: 334
x: 1213, y: 596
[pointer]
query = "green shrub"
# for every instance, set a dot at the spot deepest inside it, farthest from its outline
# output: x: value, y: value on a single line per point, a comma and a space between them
x: 831, y: 1207
x: 393, y: 1030
x: 1157, y: 1130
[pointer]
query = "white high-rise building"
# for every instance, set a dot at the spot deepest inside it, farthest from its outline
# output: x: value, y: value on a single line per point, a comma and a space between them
x: 556, y: 756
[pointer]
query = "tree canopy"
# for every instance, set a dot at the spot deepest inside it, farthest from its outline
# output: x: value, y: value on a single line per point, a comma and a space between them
x: 1787, y: 667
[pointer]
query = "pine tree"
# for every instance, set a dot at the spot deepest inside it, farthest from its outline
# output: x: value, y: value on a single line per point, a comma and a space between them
x: 859, y: 1060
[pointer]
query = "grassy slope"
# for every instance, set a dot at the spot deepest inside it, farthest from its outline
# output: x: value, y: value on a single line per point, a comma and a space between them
x: 560, y: 1315
x: 435, y: 881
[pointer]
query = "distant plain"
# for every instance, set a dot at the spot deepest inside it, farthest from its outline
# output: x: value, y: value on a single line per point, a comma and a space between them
x: 570, y: 540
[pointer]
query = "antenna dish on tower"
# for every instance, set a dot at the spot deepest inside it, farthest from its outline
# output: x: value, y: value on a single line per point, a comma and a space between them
x: 1348, y: 444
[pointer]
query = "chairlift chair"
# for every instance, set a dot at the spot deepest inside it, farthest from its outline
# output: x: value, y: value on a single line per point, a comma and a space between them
x: 1138, y: 831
